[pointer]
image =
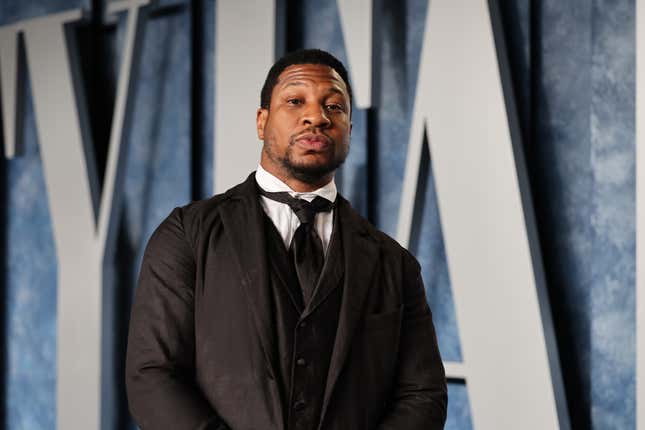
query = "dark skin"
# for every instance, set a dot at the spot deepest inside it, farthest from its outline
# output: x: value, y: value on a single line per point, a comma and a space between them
x: 307, y: 127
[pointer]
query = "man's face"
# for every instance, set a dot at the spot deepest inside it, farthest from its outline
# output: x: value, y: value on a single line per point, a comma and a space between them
x: 307, y: 126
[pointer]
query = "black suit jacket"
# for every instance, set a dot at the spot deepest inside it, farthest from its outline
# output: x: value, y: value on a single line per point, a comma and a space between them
x: 200, y: 350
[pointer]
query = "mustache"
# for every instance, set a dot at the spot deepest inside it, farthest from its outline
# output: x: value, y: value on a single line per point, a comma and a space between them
x: 313, y: 132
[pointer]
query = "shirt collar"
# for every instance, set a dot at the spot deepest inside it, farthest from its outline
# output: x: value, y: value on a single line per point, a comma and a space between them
x: 272, y: 184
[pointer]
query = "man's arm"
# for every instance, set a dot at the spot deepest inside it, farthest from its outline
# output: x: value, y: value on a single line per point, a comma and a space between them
x: 160, y: 372
x: 420, y: 397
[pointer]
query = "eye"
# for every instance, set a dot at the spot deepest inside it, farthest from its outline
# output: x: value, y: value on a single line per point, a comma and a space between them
x: 294, y: 101
x: 334, y: 107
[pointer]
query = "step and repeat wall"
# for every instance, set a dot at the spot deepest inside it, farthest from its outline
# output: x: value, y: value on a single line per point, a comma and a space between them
x: 496, y: 140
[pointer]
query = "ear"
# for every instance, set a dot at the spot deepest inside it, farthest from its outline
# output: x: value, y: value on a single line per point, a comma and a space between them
x: 260, y: 121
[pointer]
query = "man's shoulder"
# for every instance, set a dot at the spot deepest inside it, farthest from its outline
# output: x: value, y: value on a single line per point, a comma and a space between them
x: 211, y: 205
x: 199, y: 215
x: 390, y: 247
x: 199, y: 209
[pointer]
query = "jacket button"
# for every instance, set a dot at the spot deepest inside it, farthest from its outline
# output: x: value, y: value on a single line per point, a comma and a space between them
x: 301, y: 362
x: 299, y: 405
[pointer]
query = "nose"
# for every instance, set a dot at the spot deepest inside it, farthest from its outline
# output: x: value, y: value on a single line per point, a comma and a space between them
x: 316, y: 116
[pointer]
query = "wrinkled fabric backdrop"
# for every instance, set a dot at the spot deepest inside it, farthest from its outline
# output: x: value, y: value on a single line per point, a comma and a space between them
x: 573, y: 71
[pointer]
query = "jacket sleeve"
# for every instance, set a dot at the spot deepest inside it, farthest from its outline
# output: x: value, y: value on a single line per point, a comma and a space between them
x: 420, y: 397
x: 160, y: 369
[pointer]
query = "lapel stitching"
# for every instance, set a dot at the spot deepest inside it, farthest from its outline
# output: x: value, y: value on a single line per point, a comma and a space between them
x: 244, y: 227
x: 361, y: 254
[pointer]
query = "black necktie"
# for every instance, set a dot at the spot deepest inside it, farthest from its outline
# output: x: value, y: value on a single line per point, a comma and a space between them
x: 306, y: 247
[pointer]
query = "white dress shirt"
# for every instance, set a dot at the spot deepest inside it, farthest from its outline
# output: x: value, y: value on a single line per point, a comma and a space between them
x: 283, y: 217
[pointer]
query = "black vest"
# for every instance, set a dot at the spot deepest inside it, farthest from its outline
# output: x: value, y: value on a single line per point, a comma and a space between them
x: 304, y: 333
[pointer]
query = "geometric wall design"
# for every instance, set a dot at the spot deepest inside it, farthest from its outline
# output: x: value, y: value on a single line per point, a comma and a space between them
x: 573, y: 72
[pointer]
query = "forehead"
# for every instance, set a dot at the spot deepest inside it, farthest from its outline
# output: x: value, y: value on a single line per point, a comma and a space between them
x: 310, y: 74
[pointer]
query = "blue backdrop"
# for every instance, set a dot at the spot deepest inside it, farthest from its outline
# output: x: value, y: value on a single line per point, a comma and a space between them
x: 573, y: 71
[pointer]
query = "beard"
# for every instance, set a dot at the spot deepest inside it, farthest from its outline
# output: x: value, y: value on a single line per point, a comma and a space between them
x: 310, y: 173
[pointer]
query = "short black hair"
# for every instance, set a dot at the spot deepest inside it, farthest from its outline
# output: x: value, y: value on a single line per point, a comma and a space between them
x: 301, y: 56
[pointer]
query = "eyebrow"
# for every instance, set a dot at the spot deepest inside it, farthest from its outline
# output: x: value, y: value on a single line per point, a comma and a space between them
x: 336, y: 90
x: 300, y: 83
x: 294, y: 84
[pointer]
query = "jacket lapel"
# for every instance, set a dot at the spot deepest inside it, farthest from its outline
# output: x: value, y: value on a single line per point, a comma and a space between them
x: 332, y: 271
x: 243, y: 221
x: 361, y: 252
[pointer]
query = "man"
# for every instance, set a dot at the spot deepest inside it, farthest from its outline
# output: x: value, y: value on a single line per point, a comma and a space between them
x: 258, y: 310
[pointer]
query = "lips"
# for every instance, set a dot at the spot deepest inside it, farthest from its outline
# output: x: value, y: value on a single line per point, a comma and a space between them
x: 313, y: 142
